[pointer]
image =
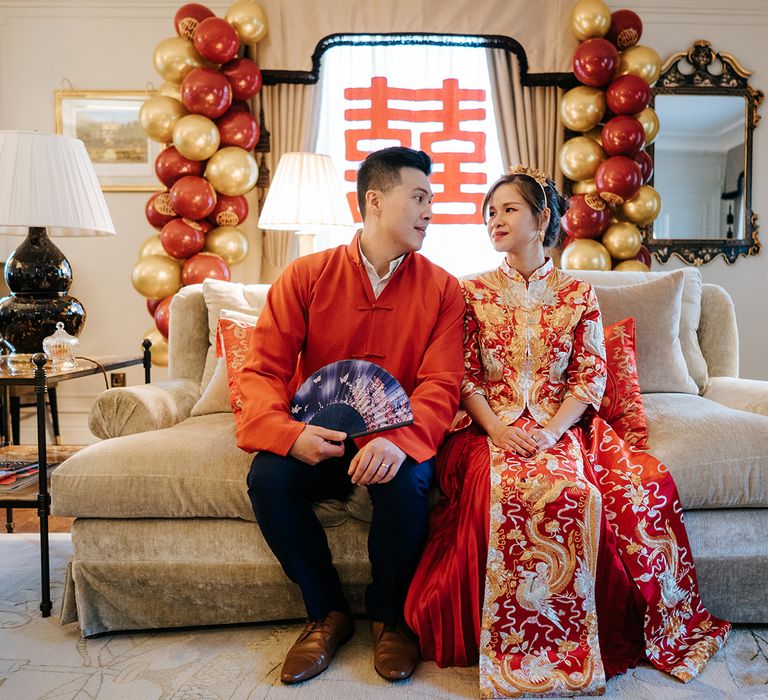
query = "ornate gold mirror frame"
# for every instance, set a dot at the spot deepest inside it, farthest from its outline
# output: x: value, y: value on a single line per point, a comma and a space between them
x: 703, y: 71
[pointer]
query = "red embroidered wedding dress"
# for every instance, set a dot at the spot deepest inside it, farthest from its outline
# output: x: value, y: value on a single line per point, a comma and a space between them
x: 563, y: 569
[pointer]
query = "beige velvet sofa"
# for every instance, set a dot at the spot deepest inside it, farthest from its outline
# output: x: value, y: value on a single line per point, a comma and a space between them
x: 164, y: 535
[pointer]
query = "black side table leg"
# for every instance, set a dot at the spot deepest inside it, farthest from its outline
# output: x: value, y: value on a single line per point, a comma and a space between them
x: 53, y: 404
x: 9, y: 520
x: 43, y: 499
x: 146, y: 359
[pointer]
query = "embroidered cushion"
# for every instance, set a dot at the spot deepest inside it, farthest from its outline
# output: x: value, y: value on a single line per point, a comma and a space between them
x: 622, y: 405
x: 216, y: 396
x: 233, y: 339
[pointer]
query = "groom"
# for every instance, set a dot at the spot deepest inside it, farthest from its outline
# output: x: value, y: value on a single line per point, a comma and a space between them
x: 375, y: 299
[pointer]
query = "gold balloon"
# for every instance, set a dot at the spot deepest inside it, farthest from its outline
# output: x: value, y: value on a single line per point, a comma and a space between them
x: 158, y: 115
x: 585, y: 254
x: 170, y: 90
x: 596, y: 135
x: 249, y: 20
x: 232, y: 171
x: 622, y: 241
x: 584, y: 187
x: 590, y: 18
x: 196, y: 137
x: 582, y: 108
x: 580, y: 157
x: 156, y: 276
x: 152, y: 246
x: 650, y: 121
x: 159, y: 349
x: 228, y: 242
x: 632, y: 266
x: 643, y: 208
x: 642, y: 61
x: 175, y: 57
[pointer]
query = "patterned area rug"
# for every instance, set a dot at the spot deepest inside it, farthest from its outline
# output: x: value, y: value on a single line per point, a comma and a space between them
x: 39, y: 658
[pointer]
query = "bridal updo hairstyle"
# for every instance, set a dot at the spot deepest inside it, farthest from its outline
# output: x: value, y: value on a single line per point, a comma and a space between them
x: 533, y: 194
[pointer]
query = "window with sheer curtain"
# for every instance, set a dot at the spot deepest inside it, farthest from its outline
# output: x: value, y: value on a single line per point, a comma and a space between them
x: 433, y: 98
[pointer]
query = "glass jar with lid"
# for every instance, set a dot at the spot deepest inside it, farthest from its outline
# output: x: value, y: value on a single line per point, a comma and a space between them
x: 61, y: 348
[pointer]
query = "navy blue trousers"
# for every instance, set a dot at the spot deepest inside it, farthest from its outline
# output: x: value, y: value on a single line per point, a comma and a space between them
x: 282, y: 490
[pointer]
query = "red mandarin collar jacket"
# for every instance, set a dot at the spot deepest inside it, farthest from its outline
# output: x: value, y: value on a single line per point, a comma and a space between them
x: 322, y: 309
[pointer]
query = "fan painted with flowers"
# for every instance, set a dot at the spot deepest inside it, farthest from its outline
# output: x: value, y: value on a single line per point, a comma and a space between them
x: 352, y: 396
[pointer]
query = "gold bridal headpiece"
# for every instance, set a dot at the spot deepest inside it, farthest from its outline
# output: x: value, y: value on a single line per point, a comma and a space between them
x: 537, y: 175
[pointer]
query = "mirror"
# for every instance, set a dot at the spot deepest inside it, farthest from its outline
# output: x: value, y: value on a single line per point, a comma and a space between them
x: 703, y: 158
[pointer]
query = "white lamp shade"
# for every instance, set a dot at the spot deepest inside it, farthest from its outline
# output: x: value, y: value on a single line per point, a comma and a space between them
x: 306, y: 193
x: 49, y: 181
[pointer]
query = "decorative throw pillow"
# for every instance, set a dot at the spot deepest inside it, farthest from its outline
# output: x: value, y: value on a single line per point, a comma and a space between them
x: 656, y: 307
x: 215, y: 397
x: 234, y: 337
x: 622, y: 405
x: 690, y: 312
x: 218, y: 295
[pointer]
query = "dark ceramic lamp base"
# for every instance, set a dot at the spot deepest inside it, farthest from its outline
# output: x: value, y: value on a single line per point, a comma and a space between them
x: 39, y: 276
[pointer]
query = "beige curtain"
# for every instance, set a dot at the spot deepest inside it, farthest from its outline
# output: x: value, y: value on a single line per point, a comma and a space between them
x: 291, y: 116
x: 527, y: 117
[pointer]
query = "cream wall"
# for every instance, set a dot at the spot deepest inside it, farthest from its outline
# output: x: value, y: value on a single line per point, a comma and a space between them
x: 105, y: 44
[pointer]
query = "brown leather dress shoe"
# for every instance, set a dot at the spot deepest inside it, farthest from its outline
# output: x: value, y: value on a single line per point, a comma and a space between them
x: 395, y: 651
x: 313, y: 650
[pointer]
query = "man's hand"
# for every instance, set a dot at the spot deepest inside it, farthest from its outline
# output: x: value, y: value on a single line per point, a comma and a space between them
x: 315, y: 444
x: 377, y: 463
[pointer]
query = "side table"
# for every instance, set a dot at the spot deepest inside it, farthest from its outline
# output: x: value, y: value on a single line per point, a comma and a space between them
x: 42, y: 377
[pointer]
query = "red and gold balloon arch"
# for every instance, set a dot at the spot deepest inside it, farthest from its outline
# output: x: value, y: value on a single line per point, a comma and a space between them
x: 607, y: 161
x: 201, y: 114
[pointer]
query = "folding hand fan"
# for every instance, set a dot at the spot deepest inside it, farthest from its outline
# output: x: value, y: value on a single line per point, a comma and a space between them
x: 353, y: 396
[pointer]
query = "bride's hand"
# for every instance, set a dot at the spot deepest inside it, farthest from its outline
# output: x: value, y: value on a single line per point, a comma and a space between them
x: 514, y: 439
x: 544, y: 438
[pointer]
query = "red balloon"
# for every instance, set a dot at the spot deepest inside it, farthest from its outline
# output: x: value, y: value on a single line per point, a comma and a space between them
x: 625, y: 30
x: 216, y: 40
x: 170, y: 166
x: 587, y: 217
x: 152, y: 305
x: 193, y: 197
x: 187, y: 18
x: 240, y: 106
x: 618, y: 179
x: 646, y: 164
x: 162, y: 315
x: 206, y: 91
x: 628, y: 94
x: 595, y: 62
x: 622, y: 136
x: 203, y: 266
x: 238, y: 129
x: 245, y: 77
x: 229, y: 211
x: 643, y: 255
x: 159, y: 210
x: 182, y: 238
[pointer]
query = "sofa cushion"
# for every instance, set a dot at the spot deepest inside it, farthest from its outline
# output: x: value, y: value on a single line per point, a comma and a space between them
x: 622, y: 405
x: 218, y: 295
x: 656, y: 306
x: 193, y: 469
x: 216, y: 397
x: 690, y: 312
x: 718, y: 456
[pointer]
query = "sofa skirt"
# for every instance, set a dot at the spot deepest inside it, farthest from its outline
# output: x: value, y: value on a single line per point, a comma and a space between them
x: 155, y: 573
x: 128, y: 574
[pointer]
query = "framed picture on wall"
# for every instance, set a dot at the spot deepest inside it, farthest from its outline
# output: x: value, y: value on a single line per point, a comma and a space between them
x: 107, y: 122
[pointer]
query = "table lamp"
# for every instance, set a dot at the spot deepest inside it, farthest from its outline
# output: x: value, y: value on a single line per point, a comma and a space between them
x: 49, y: 187
x: 306, y: 195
